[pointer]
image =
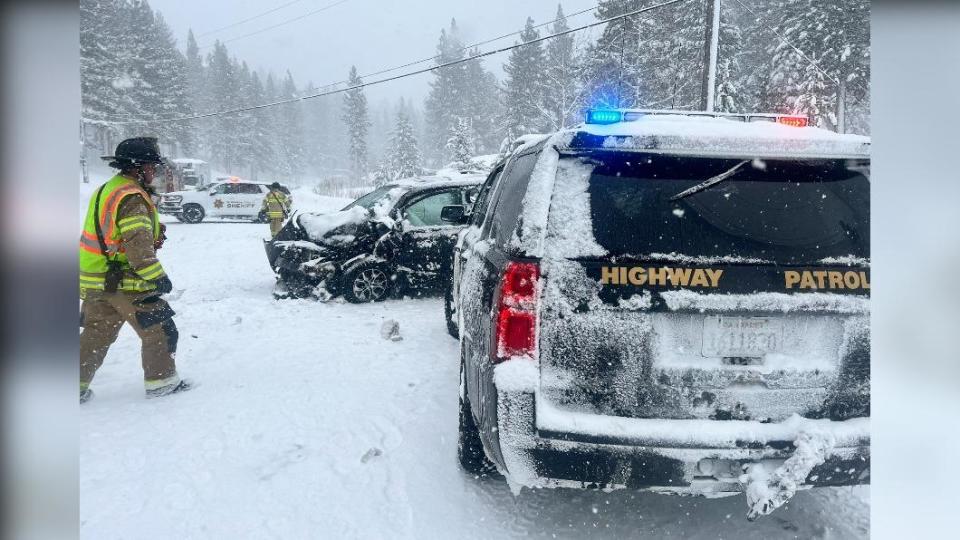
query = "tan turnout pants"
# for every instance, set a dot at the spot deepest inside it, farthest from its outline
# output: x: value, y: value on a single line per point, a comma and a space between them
x: 275, y: 226
x: 103, y: 314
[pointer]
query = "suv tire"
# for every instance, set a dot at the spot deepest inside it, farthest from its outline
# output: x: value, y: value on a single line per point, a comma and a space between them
x: 470, y: 453
x: 368, y: 282
x: 193, y: 213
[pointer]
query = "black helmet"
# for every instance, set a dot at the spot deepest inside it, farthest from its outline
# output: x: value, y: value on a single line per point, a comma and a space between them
x: 135, y: 152
x: 275, y: 185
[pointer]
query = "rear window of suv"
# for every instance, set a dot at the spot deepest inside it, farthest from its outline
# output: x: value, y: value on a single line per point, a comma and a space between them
x: 786, y: 212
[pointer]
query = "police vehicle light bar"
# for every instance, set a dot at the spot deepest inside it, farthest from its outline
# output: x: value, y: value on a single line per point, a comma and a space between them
x: 614, y: 116
x: 604, y: 117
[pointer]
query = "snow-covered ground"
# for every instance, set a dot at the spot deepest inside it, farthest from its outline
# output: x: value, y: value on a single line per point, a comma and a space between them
x: 307, y: 424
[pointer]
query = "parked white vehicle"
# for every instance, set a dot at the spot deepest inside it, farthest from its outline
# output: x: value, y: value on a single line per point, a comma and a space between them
x: 232, y: 199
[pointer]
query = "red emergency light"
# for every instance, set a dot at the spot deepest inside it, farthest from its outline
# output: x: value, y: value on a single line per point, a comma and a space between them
x: 794, y: 121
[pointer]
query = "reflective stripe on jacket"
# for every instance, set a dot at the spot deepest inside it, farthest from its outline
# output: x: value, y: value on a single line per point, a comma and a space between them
x: 276, y: 204
x: 123, y: 233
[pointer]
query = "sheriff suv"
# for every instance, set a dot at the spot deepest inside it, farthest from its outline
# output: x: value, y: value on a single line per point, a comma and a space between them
x: 231, y: 198
x: 671, y: 302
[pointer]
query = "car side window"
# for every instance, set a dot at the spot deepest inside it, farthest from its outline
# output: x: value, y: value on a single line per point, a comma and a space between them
x: 249, y: 189
x: 483, y: 197
x: 228, y: 189
x: 508, y: 197
x: 426, y: 211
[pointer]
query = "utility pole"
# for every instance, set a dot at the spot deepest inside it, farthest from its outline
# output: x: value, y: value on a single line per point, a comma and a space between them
x: 711, y: 48
x: 83, y: 154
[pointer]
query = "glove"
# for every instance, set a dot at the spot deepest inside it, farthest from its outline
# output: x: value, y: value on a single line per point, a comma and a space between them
x: 164, y: 285
x: 158, y: 243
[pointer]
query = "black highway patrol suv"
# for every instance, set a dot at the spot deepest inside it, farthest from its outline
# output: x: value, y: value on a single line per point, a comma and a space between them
x: 669, y: 301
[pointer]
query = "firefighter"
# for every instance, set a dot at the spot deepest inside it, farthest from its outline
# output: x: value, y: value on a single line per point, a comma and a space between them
x: 276, y: 205
x: 121, y: 279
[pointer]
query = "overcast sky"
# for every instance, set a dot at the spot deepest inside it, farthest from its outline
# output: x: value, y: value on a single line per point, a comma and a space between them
x: 371, y: 34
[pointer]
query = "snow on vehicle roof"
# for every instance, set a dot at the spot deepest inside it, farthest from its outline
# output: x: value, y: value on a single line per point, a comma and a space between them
x: 429, y: 181
x: 186, y: 161
x: 720, y: 137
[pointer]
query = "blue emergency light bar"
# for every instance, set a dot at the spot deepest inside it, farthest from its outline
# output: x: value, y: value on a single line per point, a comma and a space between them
x: 603, y: 116
x: 614, y: 116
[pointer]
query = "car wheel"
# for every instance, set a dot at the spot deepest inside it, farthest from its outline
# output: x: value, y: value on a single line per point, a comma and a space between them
x: 366, y: 283
x: 450, y: 311
x: 193, y: 213
x: 470, y: 453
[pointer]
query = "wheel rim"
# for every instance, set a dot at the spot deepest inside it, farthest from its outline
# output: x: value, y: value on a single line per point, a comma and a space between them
x: 370, y: 284
x: 191, y: 214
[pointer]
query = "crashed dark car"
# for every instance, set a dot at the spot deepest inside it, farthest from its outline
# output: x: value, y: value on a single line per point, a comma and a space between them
x: 391, y: 241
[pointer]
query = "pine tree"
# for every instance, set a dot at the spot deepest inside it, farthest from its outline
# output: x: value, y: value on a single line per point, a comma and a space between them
x: 356, y: 119
x: 198, y: 101
x: 836, y: 37
x: 650, y: 60
x: 263, y: 154
x: 100, y: 67
x: 562, y: 94
x: 481, y: 104
x: 158, y: 71
x: 445, y: 102
x: 524, y: 87
x: 728, y: 94
x: 404, y: 158
x: 290, y: 130
x: 244, y: 123
x: 460, y: 144
x: 222, y: 89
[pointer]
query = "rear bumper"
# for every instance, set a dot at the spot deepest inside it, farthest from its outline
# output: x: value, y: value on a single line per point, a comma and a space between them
x: 544, y: 446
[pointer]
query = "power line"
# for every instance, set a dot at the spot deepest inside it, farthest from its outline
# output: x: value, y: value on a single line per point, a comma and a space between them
x: 404, y: 75
x: 787, y: 41
x: 288, y: 21
x: 238, y: 23
x: 465, y: 47
x: 434, y: 57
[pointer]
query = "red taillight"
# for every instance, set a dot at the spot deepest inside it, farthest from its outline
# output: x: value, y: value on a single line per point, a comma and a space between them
x: 795, y: 121
x: 516, y: 322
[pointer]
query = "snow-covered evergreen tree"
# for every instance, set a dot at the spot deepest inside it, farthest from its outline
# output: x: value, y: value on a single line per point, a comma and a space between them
x: 100, y: 69
x: 404, y: 157
x: 356, y: 119
x: 445, y: 102
x: 263, y: 155
x: 222, y: 88
x: 650, y: 60
x: 562, y: 92
x: 481, y: 103
x: 461, y: 144
x: 835, y: 35
x: 524, y: 87
x: 289, y: 131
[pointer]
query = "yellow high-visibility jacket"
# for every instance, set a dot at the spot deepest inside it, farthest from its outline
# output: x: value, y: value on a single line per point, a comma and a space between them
x: 130, y: 225
x: 276, y: 204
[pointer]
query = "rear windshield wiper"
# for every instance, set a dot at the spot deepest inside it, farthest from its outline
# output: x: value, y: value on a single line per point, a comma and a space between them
x: 709, y: 182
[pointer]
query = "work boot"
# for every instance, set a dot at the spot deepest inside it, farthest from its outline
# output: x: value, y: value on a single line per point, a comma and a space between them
x: 180, y: 386
x: 86, y: 395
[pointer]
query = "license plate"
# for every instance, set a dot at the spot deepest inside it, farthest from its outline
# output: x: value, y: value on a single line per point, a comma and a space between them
x: 747, y: 337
